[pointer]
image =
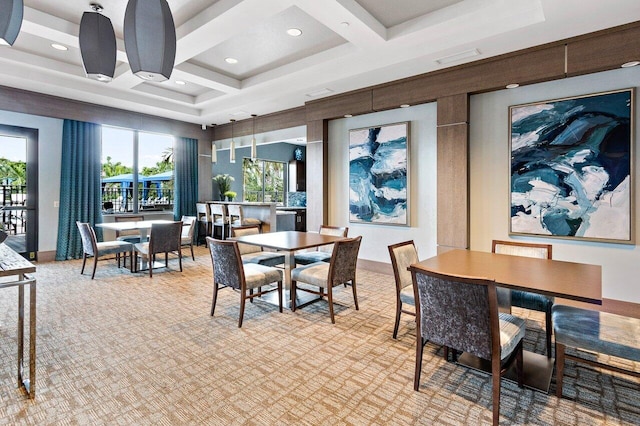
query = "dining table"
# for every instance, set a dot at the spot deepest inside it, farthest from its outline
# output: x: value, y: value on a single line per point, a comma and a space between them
x: 143, y: 226
x: 289, y: 242
x: 554, y: 278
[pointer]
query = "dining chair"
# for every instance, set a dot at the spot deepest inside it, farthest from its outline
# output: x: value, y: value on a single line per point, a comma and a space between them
x: 237, y: 217
x: 188, y: 230
x: 402, y: 256
x: 203, y: 213
x: 341, y: 269
x: 219, y: 219
x: 462, y: 313
x: 229, y: 271
x: 91, y: 247
x: 525, y: 299
x: 322, y: 253
x: 163, y: 238
x: 255, y: 254
x: 130, y: 236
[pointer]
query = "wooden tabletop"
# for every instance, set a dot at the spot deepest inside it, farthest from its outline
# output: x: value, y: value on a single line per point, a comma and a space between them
x: 289, y: 240
x: 568, y: 280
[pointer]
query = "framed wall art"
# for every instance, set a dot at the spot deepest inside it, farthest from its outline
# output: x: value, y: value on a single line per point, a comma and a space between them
x: 378, y: 174
x: 571, y: 167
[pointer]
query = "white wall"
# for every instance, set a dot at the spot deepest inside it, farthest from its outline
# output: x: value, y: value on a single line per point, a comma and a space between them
x: 422, y: 182
x: 489, y: 174
x: 49, y: 160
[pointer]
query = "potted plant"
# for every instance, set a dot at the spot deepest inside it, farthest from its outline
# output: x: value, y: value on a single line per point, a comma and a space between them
x: 230, y: 195
x: 224, y: 184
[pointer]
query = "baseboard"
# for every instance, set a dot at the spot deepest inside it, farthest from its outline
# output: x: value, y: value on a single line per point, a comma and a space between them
x: 373, y: 266
x: 46, y: 256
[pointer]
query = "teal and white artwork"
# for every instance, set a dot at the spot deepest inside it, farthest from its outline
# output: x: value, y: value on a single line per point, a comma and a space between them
x: 571, y: 167
x: 378, y: 174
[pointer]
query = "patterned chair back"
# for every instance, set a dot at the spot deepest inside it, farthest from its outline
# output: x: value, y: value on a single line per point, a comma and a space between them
x: 165, y: 237
x: 127, y: 218
x: 88, y: 237
x: 539, y: 251
x: 227, y: 264
x: 458, y: 312
x: 343, y: 261
x: 402, y: 256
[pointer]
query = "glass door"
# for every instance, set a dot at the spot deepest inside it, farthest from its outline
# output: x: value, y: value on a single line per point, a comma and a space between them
x: 19, y: 189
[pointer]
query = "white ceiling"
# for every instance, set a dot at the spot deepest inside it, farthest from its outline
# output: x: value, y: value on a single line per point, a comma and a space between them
x: 345, y: 45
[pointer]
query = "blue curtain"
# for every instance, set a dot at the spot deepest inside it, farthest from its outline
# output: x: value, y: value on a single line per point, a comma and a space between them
x: 80, y: 196
x: 185, y: 177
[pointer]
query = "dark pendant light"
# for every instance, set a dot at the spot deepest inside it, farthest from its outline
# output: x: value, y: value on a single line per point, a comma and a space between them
x: 150, y: 39
x: 10, y: 20
x: 97, y: 45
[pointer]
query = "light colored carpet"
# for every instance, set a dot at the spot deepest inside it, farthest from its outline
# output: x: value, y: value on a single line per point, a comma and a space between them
x: 125, y: 349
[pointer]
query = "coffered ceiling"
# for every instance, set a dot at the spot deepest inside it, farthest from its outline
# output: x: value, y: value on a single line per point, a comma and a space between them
x: 344, y: 45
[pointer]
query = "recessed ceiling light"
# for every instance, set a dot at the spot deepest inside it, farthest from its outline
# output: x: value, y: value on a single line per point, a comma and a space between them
x: 630, y: 64
x: 405, y: 106
x: 512, y: 85
x: 348, y: 115
x: 344, y: 24
x: 59, y: 46
x: 458, y: 56
x: 180, y: 82
x: 231, y: 60
x: 294, y: 32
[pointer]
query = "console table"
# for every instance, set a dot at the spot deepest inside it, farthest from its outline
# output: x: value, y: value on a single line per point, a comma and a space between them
x: 14, y: 265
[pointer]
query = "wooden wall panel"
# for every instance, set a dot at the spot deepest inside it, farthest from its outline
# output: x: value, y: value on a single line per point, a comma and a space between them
x: 317, y: 162
x: 265, y: 123
x: 453, y: 109
x: 603, y: 51
x: 453, y: 188
x: 358, y: 102
x: 526, y: 67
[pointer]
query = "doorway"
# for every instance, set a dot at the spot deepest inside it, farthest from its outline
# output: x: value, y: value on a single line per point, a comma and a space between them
x: 19, y: 189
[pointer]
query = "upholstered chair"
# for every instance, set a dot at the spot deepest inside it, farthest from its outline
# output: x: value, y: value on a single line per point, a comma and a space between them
x: 322, y: 253
x: 402, y: 256
x: 341, y: 269
x: 164, y: 238
x: 130, y: 236
x: 188, y: 230
x: 229, y: 271
x: 525, y: 299
x: 462, y: 313
x: 92, y: 248
x: 255, y: 254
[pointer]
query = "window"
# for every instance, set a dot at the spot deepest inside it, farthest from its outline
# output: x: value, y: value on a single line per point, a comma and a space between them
x: 151, y: 156
x: 263, y: 181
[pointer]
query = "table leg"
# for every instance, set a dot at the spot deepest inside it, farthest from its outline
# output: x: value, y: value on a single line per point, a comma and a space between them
x: 29, y: 383
x: 20, y: 333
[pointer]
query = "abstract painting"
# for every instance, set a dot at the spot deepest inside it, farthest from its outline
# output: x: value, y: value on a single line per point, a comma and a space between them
x: 571, y: 162
x: 378, y: 171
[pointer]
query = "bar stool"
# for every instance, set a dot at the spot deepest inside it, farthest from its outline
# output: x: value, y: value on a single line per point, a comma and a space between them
x: 203, y: 213
x: 219, y: 219
x: 236, y: 217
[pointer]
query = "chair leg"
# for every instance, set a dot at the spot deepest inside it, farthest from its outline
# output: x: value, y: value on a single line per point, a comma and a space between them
x: 419, y: 350
x: 180, y: 260
x: 355, y: 296
x: 280, y: 295
x: 192, y: 256
x: 520, y: 364
x: 243, y: 299
x: 559, y: 368
x: 397, y: 324
x: 549, y: 326
x: 215, y: 297
x: 84, y: 261
x: 330, y: 300
x: 293, y: 296
x: 495, y: 378
x: 95, y: 263
x: 250, y: 295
